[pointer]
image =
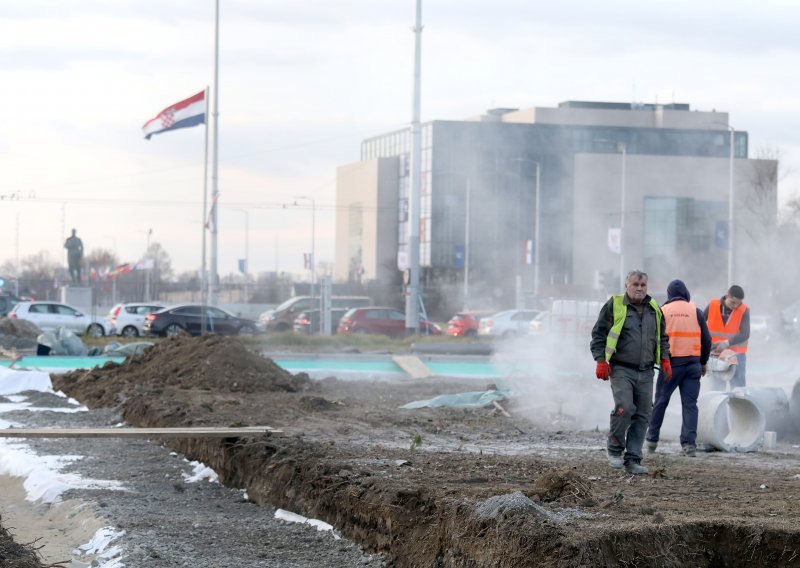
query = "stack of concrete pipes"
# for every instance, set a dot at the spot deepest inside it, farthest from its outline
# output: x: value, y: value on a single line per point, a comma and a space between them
x: 737, y: 421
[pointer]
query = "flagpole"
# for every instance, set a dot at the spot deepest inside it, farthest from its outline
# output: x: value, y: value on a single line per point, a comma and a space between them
x: 214, y: 165
x: 203, y: 290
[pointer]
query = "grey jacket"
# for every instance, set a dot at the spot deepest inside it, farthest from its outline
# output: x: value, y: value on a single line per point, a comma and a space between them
x: 636, y: 347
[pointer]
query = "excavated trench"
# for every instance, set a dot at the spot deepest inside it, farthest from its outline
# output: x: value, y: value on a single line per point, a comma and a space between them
x: 338, y: 462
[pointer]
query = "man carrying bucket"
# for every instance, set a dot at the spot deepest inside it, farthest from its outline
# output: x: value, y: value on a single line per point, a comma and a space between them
x: 728, y: 321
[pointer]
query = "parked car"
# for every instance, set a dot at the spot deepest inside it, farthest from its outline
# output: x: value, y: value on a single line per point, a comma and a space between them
x: 282, y: 318
x: 383, y: 321
x: 308, y: 322
x: 128, y: 319
x: 49, y: 316
x: 188, y: 318
x: 507, y: 324
x: 465, y: 324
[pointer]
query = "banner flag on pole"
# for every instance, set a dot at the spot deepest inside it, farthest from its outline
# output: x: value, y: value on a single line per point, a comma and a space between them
x: 615, y: 240
x: 188, y: 112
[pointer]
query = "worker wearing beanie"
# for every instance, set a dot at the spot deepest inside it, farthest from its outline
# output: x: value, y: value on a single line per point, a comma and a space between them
x: 689, y: 349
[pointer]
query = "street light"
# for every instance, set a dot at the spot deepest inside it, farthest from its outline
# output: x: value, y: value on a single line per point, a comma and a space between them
x: 536, y: 231
x: 732, y: 135
x: 149, y: 270
x: 313, y: 262
x: 246, y: 248
x: 732, y: 132
x: 623, y: 149
x: 113, y: 276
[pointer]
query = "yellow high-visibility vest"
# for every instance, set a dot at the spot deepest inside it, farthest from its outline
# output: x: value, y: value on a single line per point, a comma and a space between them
x: 620, y: 313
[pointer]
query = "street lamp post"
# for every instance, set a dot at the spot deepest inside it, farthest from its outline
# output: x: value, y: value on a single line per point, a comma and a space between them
x: 149, y: 270
x: 623, y: 149
x: 246, y: 249
x: 732, y: 138
x: 732, y: 132
x: 313, y: 262
x: 113, y: 276
x: 466, y: 245
x: 536, y: 232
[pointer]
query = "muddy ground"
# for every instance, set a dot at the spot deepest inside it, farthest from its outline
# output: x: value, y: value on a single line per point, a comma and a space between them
x: 453, y: 487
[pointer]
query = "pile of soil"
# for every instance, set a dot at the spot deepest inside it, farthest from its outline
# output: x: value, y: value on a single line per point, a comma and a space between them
x: 18, y: 334
x: 451, y: 487
x: 210, y: 363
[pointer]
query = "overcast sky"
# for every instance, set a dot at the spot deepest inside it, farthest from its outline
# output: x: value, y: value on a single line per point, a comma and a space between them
x: 302, y: 83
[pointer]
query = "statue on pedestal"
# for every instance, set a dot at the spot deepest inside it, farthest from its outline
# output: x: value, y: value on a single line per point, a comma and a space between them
x: 74, y: 248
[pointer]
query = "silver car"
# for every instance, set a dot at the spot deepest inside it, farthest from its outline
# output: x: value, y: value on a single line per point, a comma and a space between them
x: 127, y: 319
x: 507, y: 324
x: 48, y: 316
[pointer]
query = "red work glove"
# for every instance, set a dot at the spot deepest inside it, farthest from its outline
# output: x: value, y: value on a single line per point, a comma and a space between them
x: 667, y: 368
x: 603, y: 370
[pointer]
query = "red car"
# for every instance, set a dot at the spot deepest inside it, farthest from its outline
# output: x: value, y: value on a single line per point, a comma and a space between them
x: 383, y: 321
x: 465, y: 324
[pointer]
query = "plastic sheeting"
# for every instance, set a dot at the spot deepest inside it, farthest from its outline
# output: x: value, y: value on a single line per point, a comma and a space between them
x: 460, y: 400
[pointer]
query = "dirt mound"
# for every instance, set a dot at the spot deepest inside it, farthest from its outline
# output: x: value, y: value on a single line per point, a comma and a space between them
x: 18, y: 334
x: 565, y: 486
x: 212, y: 363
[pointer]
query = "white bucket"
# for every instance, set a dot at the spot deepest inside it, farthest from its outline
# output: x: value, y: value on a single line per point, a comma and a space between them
x: 770, y: 440
x: 729, y: 421
x: 774, y: 403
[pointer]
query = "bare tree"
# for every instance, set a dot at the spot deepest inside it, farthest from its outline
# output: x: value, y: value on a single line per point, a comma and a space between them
x: 98, y: 259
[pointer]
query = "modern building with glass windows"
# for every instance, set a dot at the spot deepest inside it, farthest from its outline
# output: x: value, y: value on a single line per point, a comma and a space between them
x: 611, y: 186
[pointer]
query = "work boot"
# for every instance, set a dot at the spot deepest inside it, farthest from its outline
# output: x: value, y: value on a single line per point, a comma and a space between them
x: 689, y: 450
x: 636, y: 468
x: 614, y: 460
x: 651, y: 446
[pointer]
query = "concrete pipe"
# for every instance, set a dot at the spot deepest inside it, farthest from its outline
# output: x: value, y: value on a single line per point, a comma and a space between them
x: 729, y: 422
x: 794, y: 405
x: 774, y: 403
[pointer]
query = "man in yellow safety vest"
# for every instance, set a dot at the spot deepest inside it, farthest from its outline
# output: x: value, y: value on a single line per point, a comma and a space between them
x: 628, y: 342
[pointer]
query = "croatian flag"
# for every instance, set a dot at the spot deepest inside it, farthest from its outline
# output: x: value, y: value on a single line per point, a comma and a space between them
x: 188, y: 112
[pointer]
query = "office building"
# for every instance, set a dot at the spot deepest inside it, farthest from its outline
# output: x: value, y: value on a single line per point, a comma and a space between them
x: 618, y: 185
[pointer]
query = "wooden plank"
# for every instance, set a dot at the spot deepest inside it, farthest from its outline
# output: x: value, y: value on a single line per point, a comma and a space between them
x: 412, y: 365
x: 188, y: 432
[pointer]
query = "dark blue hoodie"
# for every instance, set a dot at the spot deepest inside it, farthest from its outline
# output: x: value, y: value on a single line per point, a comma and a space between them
x: 678, y: 292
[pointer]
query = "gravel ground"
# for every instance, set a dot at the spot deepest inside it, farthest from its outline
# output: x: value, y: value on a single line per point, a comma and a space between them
x: 171, y: 522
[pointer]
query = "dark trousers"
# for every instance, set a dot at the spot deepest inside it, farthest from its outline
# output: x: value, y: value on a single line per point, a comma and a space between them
x: 633, y: 403
x: 687, y: 379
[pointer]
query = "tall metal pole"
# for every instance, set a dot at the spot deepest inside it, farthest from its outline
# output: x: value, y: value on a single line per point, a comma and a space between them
x: 312, y: 265
x: 622, y: 148
x: 536, y: 236
x: 214, y: 165
x: 204, y: 228
x: 466, y: 247
x: 148, y: 270
x: 731, y: 232
x: 246, y: 248
x: 313, y: 246
x: 412, y: 299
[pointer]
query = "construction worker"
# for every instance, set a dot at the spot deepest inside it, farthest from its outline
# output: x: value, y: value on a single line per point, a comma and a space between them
x: 689, y: 349
x: 728, y: 321
x: 628, y: 341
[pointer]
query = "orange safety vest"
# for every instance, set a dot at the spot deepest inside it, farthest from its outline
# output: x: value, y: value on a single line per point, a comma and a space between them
x: 683, y: 329
x: 725, y: 331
